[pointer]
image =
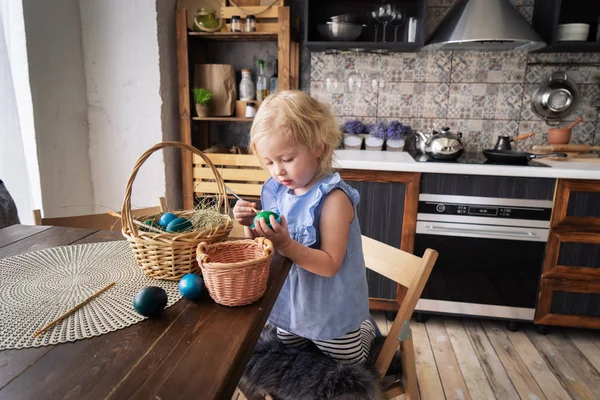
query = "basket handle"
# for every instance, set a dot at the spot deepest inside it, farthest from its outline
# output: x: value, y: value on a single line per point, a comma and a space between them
x: 266, y: 244
x: 127, y: 215
x: 201, y: 251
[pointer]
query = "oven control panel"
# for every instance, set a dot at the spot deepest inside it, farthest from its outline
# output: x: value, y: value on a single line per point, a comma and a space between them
x: 484, y: 210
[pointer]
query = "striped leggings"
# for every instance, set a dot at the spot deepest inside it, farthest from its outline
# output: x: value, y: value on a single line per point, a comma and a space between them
x: 352, y: 348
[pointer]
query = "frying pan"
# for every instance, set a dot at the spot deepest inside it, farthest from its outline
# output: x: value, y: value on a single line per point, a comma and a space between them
x: 515, y: 157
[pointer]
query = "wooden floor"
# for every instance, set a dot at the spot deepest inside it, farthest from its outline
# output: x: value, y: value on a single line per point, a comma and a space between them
x: 461, y: 358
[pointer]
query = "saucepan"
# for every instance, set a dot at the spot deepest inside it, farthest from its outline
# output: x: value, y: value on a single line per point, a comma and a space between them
x: 516, y: 157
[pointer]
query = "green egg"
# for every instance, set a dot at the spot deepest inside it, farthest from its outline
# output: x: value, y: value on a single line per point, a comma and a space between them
x: 152, y: 223
x: 267, y: 216
x: 179, y: 225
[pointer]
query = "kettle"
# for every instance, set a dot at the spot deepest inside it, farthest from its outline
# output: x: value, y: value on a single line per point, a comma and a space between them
x: 442, y: 145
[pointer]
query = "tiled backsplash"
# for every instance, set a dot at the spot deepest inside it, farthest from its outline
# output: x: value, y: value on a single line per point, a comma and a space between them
x: 482, y: 94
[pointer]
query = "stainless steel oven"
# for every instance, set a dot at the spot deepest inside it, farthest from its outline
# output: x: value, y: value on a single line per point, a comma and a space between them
x: 490, y: 254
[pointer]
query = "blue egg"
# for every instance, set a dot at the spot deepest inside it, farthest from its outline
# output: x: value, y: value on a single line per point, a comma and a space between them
x: 179, y: 225
x: 166, y: 218
x: 150, y: 301
x: 191, y: 286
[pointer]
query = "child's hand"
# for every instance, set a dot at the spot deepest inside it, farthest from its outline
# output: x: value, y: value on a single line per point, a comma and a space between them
x: 243, y: 212
x: 279, y: 235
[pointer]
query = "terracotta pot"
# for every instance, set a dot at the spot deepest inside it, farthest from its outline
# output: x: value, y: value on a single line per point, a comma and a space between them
x: 559, y: 135
x: 202, y: 110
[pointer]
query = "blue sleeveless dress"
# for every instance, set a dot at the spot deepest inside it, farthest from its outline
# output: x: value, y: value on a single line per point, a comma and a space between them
x: 310, y: 305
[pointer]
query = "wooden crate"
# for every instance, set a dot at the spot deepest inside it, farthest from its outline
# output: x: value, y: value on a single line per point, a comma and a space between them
x: 242, y: 173
x: 266, y: 16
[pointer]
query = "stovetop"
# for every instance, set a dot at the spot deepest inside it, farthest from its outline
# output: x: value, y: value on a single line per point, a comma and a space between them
x: 469, y: 158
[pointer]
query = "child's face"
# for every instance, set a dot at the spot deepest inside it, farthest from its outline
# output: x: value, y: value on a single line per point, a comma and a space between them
x: 293, y: 165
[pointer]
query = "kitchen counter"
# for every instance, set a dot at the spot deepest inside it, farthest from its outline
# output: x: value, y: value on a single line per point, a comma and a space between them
x: 403, y: 162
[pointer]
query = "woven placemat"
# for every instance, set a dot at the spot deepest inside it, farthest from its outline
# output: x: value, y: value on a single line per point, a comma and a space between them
x: 38, y: 287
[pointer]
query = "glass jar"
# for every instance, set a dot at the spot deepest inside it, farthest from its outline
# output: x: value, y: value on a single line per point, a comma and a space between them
x: 246, y: 86
x: 250, y: 110
x: 206, y: 20
x: 236, y: 23
x: 250, y: 23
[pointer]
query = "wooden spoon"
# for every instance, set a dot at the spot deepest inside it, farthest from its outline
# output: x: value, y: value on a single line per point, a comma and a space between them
x: 578, y: 120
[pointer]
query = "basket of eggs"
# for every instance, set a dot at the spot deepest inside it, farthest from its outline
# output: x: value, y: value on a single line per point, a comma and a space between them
x: 165, y: 245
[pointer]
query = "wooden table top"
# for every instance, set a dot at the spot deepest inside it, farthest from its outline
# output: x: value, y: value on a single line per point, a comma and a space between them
x: 193, y: 350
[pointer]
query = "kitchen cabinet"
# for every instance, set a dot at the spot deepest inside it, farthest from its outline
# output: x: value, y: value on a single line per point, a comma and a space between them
x: 319, y: 12
x: 210, y: 47
x: 548, y: 14
x: 387, y: 212
x: 570, y: 286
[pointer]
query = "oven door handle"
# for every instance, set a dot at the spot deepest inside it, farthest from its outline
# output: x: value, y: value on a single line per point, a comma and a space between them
x: 489, y: 232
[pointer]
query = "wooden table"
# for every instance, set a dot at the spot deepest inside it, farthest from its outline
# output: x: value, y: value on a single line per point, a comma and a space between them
x: 191, y: 351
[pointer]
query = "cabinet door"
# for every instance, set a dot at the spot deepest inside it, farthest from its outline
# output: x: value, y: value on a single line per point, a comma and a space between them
x: 570, y: 286
x: 380, y: 213
x: 387, y: 212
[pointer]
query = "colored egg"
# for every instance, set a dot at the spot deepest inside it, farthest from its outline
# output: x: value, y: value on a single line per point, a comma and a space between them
x: 267, y: 216
x: 166, y: 218
x: 179, y: 225
x: 191, y: 286
x: 150, y: 301
x: 152, y: 223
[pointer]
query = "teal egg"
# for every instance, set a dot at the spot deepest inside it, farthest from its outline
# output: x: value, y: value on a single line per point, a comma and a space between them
x: 165, y: 219
x: 150, y: 301
x: 267, y: 216
x: 179, y: 225
x: 190, y: 286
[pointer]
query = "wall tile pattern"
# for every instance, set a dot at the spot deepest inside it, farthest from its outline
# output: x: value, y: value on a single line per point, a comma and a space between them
x: 482, y: 94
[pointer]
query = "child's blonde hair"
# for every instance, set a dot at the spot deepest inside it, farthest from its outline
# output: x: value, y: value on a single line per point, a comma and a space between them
x: 302, y: 120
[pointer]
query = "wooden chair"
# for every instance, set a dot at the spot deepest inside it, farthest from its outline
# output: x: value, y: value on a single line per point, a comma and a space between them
x: 411, y: 273
x: 105, y: 222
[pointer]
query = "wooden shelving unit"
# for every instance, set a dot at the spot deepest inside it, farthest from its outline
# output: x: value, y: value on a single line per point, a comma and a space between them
x: 224, y: 119
x: 243, y: 36
x: 273, y: 24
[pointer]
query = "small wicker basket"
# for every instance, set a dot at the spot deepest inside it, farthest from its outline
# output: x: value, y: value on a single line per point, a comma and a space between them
x: 166, y: 255
x: 236, y: 272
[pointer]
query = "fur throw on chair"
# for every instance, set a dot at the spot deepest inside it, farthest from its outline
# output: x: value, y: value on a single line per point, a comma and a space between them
x: 288, y: 373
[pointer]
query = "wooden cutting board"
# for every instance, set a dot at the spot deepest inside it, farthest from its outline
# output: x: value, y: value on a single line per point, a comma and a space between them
x: 564, y: 148
x: 575, y: 152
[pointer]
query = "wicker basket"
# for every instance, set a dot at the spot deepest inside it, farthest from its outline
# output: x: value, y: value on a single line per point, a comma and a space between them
x: 236, y: 272
x: 165, y: 255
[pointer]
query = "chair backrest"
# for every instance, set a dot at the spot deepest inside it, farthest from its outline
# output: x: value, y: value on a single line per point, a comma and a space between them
x: 105, y: 222
x: 242, y: 173
x: 411, y: 273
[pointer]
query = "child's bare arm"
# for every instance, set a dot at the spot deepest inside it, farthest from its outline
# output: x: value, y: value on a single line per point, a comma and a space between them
x: 336, y: 215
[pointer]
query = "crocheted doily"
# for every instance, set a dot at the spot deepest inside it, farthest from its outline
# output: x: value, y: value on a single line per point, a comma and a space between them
x: 38, y: 287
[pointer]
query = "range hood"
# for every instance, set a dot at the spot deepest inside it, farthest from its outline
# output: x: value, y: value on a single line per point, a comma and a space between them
x: 484, y: 25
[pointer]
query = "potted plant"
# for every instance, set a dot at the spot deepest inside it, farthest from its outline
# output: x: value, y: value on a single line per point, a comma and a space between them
x: 377, y: 133
x: 395, y: 135
x: 202, y: 97
x: 353, y: 128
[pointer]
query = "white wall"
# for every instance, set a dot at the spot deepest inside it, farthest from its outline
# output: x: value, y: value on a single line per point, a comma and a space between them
x: 13, y: 165
x: 123, y: 94
x: 57, y: 79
